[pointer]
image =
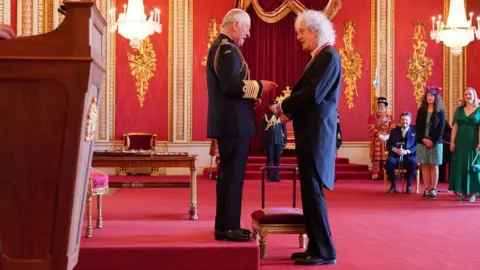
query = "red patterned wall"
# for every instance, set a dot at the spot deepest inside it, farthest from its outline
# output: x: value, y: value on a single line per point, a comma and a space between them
x: 203, y: 12
x: 354, y: 121
x: 153, y: 116
x: 406, y: 12
x: 473, y: 49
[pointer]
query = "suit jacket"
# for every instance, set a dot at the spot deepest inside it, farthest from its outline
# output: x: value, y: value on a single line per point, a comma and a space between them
x: 275, y: 134
x: 231, y: 93
x: 409, y: 142
x: 313, y: 106
x: 436, y: 123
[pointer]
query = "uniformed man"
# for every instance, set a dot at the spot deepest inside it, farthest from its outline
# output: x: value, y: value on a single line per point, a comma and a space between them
x: 232, y: 97
x: 379, y: 126
x: 275, y: 138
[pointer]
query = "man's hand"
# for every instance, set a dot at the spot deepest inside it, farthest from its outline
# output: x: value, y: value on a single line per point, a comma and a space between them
x: 268, y: 86
x: 258, y: 102
x: 6, y: 32
x: 284, y: 119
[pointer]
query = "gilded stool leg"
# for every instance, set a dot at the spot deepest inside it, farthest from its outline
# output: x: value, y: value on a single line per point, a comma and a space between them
x: 123, y: 171
x: 99, y: 211
x: 154, y: 172
x: 302, y: 240
x: 256, y: 236
x: 88, y: 232
x: 263, y: 244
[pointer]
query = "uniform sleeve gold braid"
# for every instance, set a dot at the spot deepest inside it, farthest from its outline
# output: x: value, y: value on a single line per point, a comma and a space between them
x: 250, y: 89
x: 217, y: 53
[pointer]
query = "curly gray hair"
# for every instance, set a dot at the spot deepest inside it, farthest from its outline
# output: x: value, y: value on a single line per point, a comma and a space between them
x: 234, y: 15
x: 319, y: 23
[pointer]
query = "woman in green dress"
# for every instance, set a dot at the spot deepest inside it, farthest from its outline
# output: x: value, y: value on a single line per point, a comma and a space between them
x: 464, y: 146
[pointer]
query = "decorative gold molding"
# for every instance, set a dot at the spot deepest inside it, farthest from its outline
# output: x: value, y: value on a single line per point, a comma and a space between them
x: 111, y: 77
x: 351, y: 63
x: 180, y: 70
x: 213, y: 29
x: 285, y: 8
x: 171, y: 7
x: 446, y: 68
x: 373, y: 53
x: 24, y: 17
x: 2, y: 11
x: 143, y: 65
x: 92, y: 118
x: 419, y: 65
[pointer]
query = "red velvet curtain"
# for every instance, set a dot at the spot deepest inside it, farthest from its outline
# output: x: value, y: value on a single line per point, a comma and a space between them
x: 273, y: 53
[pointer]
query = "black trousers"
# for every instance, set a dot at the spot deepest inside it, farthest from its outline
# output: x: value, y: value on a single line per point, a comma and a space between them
x: 231, y: 174
x: 274, y: 152
x: 320, y: 241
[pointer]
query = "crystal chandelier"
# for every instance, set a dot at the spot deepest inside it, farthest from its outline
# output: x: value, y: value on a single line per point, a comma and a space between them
x: 133, y: 25
x: 458, y: 32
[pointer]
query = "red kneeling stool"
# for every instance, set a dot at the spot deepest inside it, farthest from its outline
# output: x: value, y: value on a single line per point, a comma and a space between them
x: 280, y: 220
x: 97, y: 186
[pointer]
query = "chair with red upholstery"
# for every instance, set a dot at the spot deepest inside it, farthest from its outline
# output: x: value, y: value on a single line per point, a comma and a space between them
x: 139, y: 141
x: 278, y: 220
x: 97, y: 186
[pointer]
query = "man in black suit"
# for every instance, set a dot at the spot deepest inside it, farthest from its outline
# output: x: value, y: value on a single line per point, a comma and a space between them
x: 313, y: 106
x: 402, y: 147
x: 275, y: 138
x: 232, y: 96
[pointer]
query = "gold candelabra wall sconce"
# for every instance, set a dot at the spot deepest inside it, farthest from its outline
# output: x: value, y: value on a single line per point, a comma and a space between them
x: 143, y: 64
x: 351, y: 63
x: 419, y: 65
x: 213, y: 30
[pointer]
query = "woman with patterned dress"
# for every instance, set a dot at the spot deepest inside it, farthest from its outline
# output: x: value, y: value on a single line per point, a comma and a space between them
x: 465, y: 145
x: 429, y: 126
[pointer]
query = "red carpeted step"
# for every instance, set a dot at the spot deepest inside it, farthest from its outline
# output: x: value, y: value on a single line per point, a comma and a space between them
x: 290, y: 160
x: 338, y: 167
x: 162, y: 243
x: 354, y: 175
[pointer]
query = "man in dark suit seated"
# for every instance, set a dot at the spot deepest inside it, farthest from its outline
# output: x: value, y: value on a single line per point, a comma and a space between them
x: 402, y: 148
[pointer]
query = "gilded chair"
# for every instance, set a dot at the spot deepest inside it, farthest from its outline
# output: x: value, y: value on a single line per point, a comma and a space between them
x: 403, y: 173
x: 139, y: 141
x: 97, y: 186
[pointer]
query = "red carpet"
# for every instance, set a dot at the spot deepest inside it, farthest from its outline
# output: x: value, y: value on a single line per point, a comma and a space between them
x: 344, y: 170
x: 148, y: 229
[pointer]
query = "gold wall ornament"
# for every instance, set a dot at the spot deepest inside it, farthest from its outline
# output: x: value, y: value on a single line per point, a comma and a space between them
x: 92, y: 118
x: 213, y: 29
x: 419, y: 65
x: 351, y: 63
x: 142, y: 67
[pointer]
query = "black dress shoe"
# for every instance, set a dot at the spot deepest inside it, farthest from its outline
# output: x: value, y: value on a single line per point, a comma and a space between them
x: 245, y: 231
x: 233, y: 235
x: 409, y: 190
x: 298, y: 255
x: 312, y: 260
x: 392, y: 189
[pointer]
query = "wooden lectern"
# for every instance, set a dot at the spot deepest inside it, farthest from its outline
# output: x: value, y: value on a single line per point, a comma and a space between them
x: 49, y: 90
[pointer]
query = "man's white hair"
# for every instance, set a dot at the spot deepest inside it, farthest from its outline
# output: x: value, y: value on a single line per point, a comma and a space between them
x: 319, y: 23
x: 235, y: 15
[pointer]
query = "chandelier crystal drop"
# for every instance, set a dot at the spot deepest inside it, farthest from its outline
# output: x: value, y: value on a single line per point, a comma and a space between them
x: 458, y: 32
x: 133, y: 25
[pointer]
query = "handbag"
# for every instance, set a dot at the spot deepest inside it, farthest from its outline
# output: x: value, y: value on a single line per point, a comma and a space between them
x: 475, y: 167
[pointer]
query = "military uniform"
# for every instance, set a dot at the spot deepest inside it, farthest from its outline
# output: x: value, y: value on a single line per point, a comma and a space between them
x: 231, y: 121
x: 275, y: 138
x: 379, y: 126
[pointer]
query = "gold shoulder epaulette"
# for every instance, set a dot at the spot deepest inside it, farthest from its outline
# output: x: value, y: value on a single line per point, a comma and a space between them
x: 225, y: 41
